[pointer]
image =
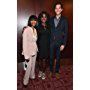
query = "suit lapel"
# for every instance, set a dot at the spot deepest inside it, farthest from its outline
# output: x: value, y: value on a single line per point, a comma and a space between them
x: 59, y: 22
x: 53, y: 22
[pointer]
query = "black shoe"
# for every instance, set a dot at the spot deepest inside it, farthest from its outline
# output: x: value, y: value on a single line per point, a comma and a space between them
x: 25, y: 86
x: 27, y: 60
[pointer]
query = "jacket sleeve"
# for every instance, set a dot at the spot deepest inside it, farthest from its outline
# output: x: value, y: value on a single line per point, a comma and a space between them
x: 25, y: 44
x: 65, y: 32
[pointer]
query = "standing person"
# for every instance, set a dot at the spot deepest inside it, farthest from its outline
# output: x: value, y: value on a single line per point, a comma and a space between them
x: 59, y: 29
x: 30, y: 48
x: 43, y: 42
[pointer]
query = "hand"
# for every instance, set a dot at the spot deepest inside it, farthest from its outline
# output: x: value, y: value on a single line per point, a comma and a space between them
x: 62, y: 47
x: 27, y: 60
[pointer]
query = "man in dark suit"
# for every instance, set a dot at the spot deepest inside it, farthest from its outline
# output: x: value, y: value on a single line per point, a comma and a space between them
x: 59, y: 29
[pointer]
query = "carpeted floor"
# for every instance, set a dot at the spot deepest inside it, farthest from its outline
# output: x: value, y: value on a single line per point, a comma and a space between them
x: 64, y: 83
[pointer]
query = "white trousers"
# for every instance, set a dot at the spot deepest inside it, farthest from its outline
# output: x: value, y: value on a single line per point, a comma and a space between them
x: 30, y: 71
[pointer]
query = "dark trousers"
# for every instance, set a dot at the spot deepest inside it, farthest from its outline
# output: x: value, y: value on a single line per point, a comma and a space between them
x: 55, y: 48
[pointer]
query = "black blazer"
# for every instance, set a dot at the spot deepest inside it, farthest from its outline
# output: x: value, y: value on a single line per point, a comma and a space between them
x: 59, y: 33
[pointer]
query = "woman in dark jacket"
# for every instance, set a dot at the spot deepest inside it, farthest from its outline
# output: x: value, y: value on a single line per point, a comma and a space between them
x: 43, y: 42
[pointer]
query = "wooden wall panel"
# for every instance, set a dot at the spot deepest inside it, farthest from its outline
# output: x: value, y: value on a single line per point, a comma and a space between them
x: 25, y: 8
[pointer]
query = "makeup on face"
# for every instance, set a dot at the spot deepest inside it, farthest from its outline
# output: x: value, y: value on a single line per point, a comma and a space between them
x: 33, y: 22
x: 44, y: 18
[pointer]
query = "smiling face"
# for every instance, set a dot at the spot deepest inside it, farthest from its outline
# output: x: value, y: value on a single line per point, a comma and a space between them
x: 33, y: 23
x: 58, y: 9
x: 43, y: 18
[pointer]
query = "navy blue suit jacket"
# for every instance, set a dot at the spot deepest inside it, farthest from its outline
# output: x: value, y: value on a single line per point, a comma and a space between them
x: 59, y: 33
